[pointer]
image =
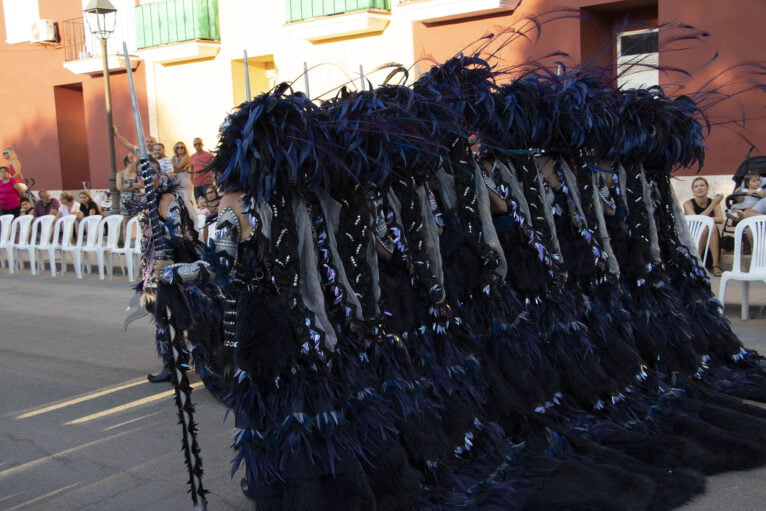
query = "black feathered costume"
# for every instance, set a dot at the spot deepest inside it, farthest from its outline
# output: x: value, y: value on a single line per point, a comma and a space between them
x: 412, y: 328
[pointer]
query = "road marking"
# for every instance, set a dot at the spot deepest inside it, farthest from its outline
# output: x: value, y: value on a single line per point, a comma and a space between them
x: 80, y: 399
x: 130, y: 421
x: 41, y: 497
x: 127, y: 406
x: 39, y: 461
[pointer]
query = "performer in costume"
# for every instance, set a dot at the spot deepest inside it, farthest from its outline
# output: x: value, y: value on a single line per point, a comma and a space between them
x: 410, y: 329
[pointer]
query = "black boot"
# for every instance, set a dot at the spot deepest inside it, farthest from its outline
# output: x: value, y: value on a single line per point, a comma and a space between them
x: 160, y: 377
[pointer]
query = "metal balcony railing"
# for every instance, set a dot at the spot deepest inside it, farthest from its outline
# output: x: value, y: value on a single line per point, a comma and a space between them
x: 175, y: 21
x: 73, y: 38
x: 299, y: 10
x: 79, y: 43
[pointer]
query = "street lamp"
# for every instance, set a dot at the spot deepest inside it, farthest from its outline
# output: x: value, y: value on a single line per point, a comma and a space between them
x: 101, y: 17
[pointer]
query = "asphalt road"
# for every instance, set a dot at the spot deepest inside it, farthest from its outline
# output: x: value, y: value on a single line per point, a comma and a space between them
x: 82, y: 429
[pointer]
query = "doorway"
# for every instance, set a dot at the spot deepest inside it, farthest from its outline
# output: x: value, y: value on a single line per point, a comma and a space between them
x: 72, y: 136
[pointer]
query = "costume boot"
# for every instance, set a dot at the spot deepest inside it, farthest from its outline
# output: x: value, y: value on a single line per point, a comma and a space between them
x: 163, y: 375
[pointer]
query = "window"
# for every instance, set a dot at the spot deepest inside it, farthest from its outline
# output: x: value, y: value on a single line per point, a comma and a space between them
x: 637, y: 59
x: 19, y: 17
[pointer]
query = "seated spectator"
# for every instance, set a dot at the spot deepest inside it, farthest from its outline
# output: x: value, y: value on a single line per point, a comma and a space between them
x: 202, y: 206
x: 701, y: 204
x: 27, y: 208
x: 88, y: 206
x: 68, y: 205
x: 751, y: 184
x: 47, y: 205
x: 212, y: 199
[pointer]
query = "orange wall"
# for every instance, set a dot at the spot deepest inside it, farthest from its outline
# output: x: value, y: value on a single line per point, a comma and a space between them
x: 736, y: 33
x: 28, y: 102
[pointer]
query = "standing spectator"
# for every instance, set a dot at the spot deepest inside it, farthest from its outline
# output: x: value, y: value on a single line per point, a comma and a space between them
x: 69, y: 206
x: 701, y: 204
x: 46, y: 205
x: 202, y: 177
x: 14, y: 165
x: 88, y: 206
x: 149, y: 142
x: 132, y: 198
x: 11, y: 192
x: 159, y: 154
x: 181, y: 166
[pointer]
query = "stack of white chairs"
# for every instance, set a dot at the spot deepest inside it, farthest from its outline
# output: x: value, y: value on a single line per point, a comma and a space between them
x: 5, y: 234
x: 63, y: 233
x: 108, y: 236
x: 131, y: 251
x: 18, y: 236
x: 40, y: 235
x: 87, y: 236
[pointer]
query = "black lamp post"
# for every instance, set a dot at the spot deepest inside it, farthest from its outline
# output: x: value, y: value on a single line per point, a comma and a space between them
x: 101, y: 17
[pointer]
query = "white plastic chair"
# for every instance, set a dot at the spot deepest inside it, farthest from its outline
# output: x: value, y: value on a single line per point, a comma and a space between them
x: 87, y: 235
x: 130, y: 251
x: 108, y: 238
x: 757, y: 271
x: 5, y: 233
x: 40, y: 235
x: 18, y: 235
x: 62, y: 236
x: 697, y: 225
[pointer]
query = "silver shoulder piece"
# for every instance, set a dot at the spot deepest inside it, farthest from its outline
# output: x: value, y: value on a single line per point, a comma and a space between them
x: 197, y: 272
x: 227, y: 235
x: 173, y: 220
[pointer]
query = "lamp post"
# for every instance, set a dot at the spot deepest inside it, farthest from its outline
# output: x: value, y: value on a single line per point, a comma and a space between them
x: 101, y: 17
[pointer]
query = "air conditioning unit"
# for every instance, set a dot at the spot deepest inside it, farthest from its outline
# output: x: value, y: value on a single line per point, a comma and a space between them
x: 43, y: 31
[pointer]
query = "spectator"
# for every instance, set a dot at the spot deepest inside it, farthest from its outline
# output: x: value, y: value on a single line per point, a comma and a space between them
x: 68, y: 205
x: 46, y: 205
x: 750, y: 205
x: 11, y: 192
x: 159, y: 154
x: 14, y: 165
x: 202, y: 178
x: 181, y: 166
x: 149, y: 142
x: 751, y: 184
x: 132, y: 199
x: 701, y: 204
x: 202, y: 206
x: 212, y: 199
x: 27, y: 208
x: 88, y: 206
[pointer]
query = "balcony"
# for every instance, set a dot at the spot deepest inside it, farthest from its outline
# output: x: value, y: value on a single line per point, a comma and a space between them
x: 437, y: 11
x: 82, y: 50
x: 177, y: 30
x: 319, y: 20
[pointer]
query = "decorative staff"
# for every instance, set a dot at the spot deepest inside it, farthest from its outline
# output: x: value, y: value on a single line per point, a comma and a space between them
x: 247, y: 79
x: 165, y: 333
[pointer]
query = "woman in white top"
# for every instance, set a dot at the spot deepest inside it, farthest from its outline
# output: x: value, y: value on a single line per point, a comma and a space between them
x: 181, y: 167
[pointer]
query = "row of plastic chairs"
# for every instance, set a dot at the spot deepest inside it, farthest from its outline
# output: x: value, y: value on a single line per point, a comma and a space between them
x: 55, y: 238
x: 703, y: 226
